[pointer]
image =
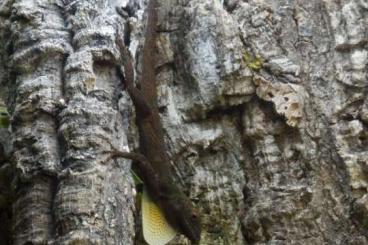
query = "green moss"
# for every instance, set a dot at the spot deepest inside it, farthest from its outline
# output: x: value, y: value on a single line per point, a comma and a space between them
x: 4, y: 117
x: 255, y: 63
x: 220, y: 229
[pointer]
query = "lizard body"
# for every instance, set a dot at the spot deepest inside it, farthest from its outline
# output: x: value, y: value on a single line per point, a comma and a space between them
x: 154, y: 164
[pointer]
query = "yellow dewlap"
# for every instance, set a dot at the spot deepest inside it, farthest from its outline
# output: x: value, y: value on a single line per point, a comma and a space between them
x: 156, y: 229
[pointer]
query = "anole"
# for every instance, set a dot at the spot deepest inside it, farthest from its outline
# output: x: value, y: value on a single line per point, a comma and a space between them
x: 153, y: 162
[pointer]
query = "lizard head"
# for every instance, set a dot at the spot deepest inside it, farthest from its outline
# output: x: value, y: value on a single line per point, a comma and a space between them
x: 189, y: 222
x: 181, y: 214
x: 192, y: 228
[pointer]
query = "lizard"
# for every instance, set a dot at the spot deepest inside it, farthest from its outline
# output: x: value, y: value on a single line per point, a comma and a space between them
x: 153, y: 163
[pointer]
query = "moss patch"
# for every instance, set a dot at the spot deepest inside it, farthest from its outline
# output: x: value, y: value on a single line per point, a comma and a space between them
x: 255, y: 63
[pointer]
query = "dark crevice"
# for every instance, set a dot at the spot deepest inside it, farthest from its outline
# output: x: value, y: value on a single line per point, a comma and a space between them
x: 127, y: 32
x: 53, y: 229
x: 230, y: 5
x: 219, y: 112
x: 6, y: 199
x: 170, y: 66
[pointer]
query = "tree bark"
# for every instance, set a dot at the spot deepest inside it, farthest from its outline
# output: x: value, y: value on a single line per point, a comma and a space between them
x: 263, y: 105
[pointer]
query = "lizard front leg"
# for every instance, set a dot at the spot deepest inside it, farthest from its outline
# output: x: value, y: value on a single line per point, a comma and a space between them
x: 150, y: 177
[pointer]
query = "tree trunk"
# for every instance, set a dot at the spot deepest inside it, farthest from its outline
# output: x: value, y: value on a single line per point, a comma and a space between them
x: 263, y: 105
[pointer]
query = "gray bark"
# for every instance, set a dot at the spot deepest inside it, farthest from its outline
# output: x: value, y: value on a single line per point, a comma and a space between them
x: 263, y: 105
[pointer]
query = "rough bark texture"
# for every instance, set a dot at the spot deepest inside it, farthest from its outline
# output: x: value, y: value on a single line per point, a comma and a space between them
x: 263, y: 105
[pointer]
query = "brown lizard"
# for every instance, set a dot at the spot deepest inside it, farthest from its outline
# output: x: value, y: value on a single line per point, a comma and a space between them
x: 154, y: 164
